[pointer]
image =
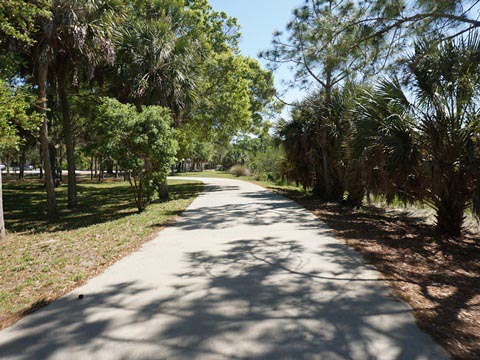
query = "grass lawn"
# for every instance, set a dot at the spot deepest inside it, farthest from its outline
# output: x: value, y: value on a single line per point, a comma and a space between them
x: 41, y: 261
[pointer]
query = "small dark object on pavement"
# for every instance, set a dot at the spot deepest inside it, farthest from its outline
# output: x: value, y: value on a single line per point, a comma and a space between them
x: 80, y: 296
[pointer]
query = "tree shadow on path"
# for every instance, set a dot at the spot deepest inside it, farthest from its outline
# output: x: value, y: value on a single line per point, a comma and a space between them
x: 254, y: 299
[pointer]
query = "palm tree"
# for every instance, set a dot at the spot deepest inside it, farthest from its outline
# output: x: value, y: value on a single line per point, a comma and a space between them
x: 384, y: 143
x: 80, y: 40
x: 427, y: 149
x: 295, y: 135
x: 41, y: 58
x: 157, y: 62
x: 329, y: 124
x: 68, y: 45
x: 446, y: 80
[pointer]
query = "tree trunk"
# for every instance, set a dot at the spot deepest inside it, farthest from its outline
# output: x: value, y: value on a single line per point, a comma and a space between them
x: 100, y: 172
x: 318, y: 183
x: 53, y: 160
x: 326, y: 157
x: 68, y: 132
x: 41, y: 164
x: 326, y: 175
x: 163, y: 190
x: 354, y: 185
x: 47, y: 166
x: 21, y: 174
x: 91, y: 167
x: 59, y: 164
x: 110, y: 166
x: 2, y: 220
x: 450, y: 216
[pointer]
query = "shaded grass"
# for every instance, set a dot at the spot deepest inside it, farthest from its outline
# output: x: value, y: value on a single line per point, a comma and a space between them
x: 41, y: 261
x: 24, y: 203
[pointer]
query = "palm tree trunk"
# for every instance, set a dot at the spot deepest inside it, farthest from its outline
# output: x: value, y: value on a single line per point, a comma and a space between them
x: 450, y: 216
x: 53, y: 161
x: 2, y: 220
x: 326, y: 175
x: 41, y: 164
x: 69, y: 139
x: 100, y: 170
x: 47, y: 166
x: 59, y: 163
x: 326, y: 158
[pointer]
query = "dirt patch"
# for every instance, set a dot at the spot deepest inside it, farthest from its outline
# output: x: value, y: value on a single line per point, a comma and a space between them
x: 438, y: 277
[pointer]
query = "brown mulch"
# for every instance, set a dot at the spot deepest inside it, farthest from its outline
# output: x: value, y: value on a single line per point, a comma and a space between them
x: 437, y: 276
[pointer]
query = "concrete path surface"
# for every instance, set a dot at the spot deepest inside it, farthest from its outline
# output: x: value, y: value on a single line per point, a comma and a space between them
x: 245, y: 274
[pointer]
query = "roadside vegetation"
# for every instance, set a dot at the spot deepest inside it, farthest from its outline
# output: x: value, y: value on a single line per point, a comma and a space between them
x: 121, y: 86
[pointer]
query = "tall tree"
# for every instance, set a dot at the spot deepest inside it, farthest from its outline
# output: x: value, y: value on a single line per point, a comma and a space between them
x: 156, y: 66
x: 15, y: 114
x: 399, y: 21
x: 22, y: 22
x: 161, y: 51
x: 325, y: 58
x: 79, y: 41
x: 41, y: 62
x: 232, y: 95
x: 321, y: 131
x: 319, y: 54
x: 158, y: 54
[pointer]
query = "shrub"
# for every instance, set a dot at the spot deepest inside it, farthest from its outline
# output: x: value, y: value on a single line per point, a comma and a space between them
x: 267, y: 164
x: 239, y: 170
x: 143, y: 144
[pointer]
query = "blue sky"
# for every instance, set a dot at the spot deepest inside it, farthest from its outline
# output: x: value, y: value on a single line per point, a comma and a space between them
x: 258, y: 20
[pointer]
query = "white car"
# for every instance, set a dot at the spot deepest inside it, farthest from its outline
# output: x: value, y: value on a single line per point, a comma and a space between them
x: 2, y: 167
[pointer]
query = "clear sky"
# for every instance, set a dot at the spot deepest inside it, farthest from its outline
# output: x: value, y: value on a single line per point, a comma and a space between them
x: 258, y: 20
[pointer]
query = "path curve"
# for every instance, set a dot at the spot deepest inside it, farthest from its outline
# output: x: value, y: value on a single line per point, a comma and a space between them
x: 244, y: 274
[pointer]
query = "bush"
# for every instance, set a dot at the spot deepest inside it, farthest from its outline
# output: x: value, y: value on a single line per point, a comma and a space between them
x: 239, y: 170
x: 143, y: 144
x: 267, y: 164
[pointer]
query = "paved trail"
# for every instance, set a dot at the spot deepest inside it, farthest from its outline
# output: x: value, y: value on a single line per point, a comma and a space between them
x: 245, y: 274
